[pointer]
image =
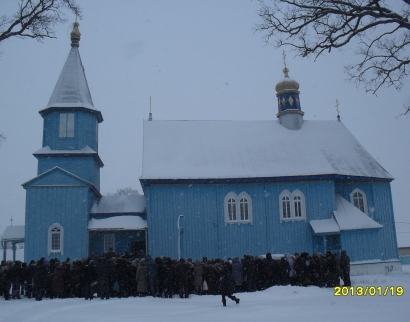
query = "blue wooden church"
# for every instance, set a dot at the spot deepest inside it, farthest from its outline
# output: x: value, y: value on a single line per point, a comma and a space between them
x: 211, y: 188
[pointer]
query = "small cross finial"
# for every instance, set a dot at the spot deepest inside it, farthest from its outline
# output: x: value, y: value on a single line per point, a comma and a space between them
x: 337, y: 110
x: 150, y: 114
x: 284, y: 58
x: 11, y: 220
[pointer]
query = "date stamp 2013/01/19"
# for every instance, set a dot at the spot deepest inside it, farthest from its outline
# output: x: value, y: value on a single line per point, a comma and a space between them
x: 368, y: 291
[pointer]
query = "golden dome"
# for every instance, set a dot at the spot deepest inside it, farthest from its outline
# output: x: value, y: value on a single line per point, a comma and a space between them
x: 287, y: 84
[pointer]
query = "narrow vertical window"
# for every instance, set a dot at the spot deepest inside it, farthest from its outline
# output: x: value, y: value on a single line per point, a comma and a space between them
x: 243, y: 204
x: 297, y: 202
x: 285, y: 207
x: 109, y: 242
x: 55, y: 239
x: 66, y: 125
x: 232, y: 209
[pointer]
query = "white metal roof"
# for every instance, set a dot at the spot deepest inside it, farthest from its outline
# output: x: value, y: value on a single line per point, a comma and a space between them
x: 71, y: 89
x: 47, y: 150
x: 119, y: 204
x: 325, y: 226
x: 348, y: 217
x: 118, y: 223
x: 13, y: 233
x: 252, y: 149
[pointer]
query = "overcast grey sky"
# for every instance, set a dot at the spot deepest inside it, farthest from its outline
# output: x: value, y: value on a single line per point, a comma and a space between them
x: 199, y: 60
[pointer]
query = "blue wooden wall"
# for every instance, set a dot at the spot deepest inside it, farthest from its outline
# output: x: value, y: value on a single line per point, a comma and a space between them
x: 85, y: 132
x: 67, y: 206
x: 380, y: 208
x: 83, y: 167
x: 204, y: 230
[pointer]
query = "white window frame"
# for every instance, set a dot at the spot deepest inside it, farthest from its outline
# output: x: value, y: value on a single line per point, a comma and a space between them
x: 52, y: 231
x: 109, y: 243
x: 239, y: 211
x: 67, y: 125
x: 364, y: 197
x: 296, y: 196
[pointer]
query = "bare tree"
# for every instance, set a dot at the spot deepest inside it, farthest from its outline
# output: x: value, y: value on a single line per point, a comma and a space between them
x: 2, y: 139
x: 36, y: 18
x: 313, y: 27
x: 124, y: 191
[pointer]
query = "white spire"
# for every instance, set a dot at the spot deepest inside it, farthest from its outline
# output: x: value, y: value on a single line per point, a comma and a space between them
x: 72, y: 89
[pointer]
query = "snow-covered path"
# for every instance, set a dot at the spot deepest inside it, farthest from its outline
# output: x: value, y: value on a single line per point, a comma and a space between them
x: 279, y: 303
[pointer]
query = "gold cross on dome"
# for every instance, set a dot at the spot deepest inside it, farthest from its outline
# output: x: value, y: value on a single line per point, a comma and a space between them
x: 284, y: 58
x: 337, y: 107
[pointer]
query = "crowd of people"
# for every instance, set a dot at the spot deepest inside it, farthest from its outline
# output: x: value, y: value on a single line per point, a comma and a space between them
x: 125, y: 275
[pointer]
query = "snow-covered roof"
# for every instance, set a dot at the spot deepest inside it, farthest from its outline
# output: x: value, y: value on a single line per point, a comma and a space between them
x: 47, y: 150
x: 119, y: 204
x: 118, y: 223
x: 13, y: 233
x: 346, y: 217
x: 349, y: 217
x: 72, y: 89
x: 253, y: 149
x: 325, y: 226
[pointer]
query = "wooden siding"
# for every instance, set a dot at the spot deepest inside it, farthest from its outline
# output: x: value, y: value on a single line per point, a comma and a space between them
x: 204, y: 230
x: 83, y: 167
x: 380, y: 208
x: 85, y: 132
x: 67, y: 206
x: 362, y: 245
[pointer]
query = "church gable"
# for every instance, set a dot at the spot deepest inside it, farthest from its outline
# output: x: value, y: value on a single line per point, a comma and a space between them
x: 56, y: 176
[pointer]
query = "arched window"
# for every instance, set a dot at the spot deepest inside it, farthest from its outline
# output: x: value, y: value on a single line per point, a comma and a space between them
x: 292, y: 205
x: 359, y: 200
x: 55, y: 239
x: 284, y: 205
x: 238, y: 209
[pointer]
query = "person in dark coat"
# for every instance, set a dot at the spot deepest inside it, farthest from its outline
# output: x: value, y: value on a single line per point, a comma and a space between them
x: 17, y: 279
x: 152, y: 275
x: 226, y: 284
x: 103, y: 275
x: 197, y: 275
x: 249, y: 270
x: 29, y: 279
x: 90, y: 279
x: 331, y: 269
x: 58, y: 281
x: 182, y: 271
x: 345, y: 268
x: 237, y: 274
x: 40, y: 273
x: 141, y: 278
x: 167, y: 276
x: 5, y: 279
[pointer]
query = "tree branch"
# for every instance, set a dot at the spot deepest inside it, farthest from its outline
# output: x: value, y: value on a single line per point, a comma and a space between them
x: 37, y: 19
x: 313, y: 27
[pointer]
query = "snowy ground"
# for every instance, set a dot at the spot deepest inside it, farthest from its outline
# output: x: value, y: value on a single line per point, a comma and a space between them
x: 279, y: 303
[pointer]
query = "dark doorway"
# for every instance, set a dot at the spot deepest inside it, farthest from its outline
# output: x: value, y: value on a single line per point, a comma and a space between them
x: 136, y: 247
